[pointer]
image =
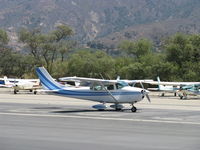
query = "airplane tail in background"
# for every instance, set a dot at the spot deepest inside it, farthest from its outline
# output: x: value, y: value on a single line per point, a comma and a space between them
x: 160, y: 87
x: 46, y: 80
x: 6, y: 80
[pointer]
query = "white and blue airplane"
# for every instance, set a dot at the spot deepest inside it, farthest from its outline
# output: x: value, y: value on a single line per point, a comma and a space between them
x: 164, y: 87
x: 193, y: 89
x: 182, y: 88
x: 100, y: 90
x: 20, y: 84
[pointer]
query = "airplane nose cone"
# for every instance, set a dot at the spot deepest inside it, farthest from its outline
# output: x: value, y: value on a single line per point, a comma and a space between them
x: 145, y: 93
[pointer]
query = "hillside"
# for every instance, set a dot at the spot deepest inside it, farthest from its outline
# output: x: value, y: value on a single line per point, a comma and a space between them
x: 107, y: 21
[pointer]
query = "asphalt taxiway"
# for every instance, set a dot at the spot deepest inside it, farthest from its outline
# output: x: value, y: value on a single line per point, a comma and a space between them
x: 50, y: 122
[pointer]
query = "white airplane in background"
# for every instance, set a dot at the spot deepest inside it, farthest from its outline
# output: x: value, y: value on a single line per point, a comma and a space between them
x: 100, y: 90
x: 20, y: 84
x: 186, y: 90
x: 164, y: 87
x: 171, y: 87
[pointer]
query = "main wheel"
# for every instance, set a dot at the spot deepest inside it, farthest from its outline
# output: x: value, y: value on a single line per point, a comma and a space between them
x: 35, y: 92
x: 15, y: 91
x: 175, y: 94
x: 133, y: 109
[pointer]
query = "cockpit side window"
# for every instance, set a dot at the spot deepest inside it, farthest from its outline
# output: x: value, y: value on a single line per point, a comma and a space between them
x: 109, y: 87
x: 102, y: 87
x: 120, y: 85
x: 98, y: 87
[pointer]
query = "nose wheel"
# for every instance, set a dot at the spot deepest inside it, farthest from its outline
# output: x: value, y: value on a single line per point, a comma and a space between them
x: 133, y: 109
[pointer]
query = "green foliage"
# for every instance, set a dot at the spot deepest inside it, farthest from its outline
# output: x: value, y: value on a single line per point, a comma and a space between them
x: 62, y: 32
x: 15, y: 64
x: 46, y: 46
x: 138, y: 48
x: 87, y: 64
x: 3, y: 38
x: 184, y: 51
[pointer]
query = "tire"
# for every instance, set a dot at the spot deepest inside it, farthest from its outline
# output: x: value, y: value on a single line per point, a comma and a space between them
x: 15, y: 91
x: 133, y: 109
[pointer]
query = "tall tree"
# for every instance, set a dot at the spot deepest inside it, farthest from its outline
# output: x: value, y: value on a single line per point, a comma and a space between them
x: 33, y: 39
x: 46, y: 46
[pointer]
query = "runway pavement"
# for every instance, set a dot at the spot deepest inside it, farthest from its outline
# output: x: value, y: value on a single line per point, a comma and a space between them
x: 47, y: 122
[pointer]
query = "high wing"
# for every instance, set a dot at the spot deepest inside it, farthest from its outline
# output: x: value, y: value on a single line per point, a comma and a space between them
x: 137, y: 81
x: 102, y: 80
x: 171, y: 83
x: 91, y: 80
x: 158, y: 82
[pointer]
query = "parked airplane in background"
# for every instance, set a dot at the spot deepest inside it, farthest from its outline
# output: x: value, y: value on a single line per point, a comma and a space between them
x: 189, y: 90
x: 20, y: 84
x: 100, y: 90
x: 164, y: 87
x: 182, y: 88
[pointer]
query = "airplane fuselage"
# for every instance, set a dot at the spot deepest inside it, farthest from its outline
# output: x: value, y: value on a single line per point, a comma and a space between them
x: 124, y: 95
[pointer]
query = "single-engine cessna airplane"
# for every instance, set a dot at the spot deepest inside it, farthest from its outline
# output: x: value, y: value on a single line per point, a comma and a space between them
x: 164, y: 87
x: 20, y: 84
x: 182, y: 88
x: 100, y: 90
x: 189, y: 90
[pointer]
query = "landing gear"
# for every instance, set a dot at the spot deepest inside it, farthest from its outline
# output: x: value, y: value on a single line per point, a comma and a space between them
x: 175, y: 94
x: 35, y: 92
x: 15, y: 91
x: 163, y: 94
x: 133, y: 109
x: 184, y: 96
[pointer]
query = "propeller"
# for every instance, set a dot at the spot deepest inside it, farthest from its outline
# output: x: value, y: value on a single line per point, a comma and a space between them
x: 145, y: 92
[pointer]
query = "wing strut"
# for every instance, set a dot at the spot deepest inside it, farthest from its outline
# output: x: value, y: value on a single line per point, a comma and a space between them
x: 116, y: 101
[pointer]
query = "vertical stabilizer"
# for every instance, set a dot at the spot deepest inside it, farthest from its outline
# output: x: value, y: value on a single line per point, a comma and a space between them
x: 46, y: 80
x: 6, y: 82
x: 160, y: 87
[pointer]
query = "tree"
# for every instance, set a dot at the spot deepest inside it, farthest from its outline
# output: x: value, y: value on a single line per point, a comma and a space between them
x: 62, y: 32
x: 179, y: 49
x: 64, y: 47
x: 33, y: 39
x: 53, y: 44
x: 138, y: 48
x: 46, y: 46
x: 184, y: 51
x: 88, y: 64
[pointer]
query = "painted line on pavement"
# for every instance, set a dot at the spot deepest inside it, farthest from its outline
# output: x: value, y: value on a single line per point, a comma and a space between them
x: 105, y: 118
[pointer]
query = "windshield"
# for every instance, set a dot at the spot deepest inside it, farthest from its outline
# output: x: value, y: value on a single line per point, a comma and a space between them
x: 121, y: 84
